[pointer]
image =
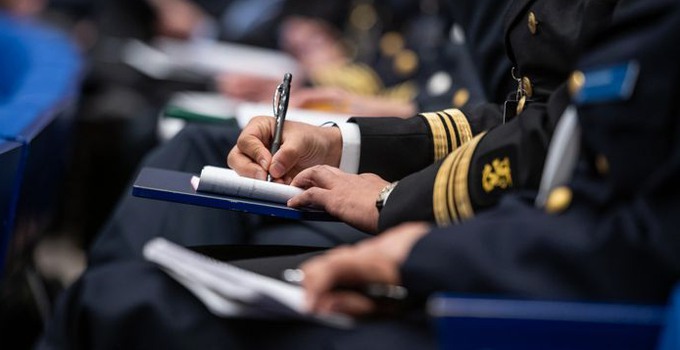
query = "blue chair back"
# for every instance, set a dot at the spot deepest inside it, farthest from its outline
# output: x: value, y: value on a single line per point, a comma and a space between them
x: 14, y: 65
x: 10, y: 176
x: 40, y: 71
x: 41, y: 76
x: 482, y: 323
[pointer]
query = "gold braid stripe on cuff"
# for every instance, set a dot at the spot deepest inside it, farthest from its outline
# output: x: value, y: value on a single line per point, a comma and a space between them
x: 464, y: 130
x: 441, y: 145
x: 450, y: 129
x: 451, y: 197
x: 462, y: 171
x: 441, y: 190
x: 448, y: 124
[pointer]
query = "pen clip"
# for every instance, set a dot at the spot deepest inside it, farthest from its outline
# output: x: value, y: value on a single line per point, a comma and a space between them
x: 276, y: 101
x: 280, y: 98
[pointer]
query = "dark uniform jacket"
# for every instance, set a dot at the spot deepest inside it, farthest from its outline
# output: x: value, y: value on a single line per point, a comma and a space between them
x: 457, y: 167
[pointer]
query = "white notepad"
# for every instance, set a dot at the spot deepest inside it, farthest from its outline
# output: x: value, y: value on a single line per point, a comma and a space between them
x: 228, y: 182
x: 230, y: 291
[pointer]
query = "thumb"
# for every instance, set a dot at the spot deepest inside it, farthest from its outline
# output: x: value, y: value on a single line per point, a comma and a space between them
x: 285, y: 159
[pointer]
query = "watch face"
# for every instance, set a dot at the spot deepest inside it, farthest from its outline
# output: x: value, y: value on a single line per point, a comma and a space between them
x: 384, y: 194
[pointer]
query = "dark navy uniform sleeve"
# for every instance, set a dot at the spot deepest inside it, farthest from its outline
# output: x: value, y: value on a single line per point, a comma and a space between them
x: 521, y: 251
x: 394, y: 147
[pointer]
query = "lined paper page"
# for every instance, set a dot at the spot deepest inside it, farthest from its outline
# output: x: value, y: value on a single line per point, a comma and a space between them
x: 228, y: 182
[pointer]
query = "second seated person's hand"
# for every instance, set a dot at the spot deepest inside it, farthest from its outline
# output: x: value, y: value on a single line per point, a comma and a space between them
x: 328, y: 278
x: 302, y: 146
x: 349, y: 197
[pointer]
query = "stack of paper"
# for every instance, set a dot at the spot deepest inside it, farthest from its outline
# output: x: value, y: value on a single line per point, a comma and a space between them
x: 229, y: 291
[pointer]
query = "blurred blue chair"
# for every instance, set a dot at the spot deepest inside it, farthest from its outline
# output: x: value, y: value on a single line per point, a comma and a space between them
x: 465, y: 322
x: 10, y: 177
x: 671, y: 332
x: 40, y: 70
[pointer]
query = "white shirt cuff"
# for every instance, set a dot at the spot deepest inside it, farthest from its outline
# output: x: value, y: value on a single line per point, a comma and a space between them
x: 351, y: 146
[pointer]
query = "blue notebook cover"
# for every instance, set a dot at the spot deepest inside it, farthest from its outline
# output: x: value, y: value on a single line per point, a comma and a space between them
x: 481, y: 323
x: 175, y: 186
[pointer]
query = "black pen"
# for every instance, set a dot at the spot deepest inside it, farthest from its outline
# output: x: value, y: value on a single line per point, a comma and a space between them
x: 280, y: 106
x: 372, y: 290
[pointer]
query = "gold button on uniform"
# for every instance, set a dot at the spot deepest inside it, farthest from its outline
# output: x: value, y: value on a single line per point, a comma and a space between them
x: 520, y: 104
x: 602, y: 164
x: 527, y: 87
x: 576, y: 82
x: 532, y: 23
x: 558, y: 200
x: 461, y: 97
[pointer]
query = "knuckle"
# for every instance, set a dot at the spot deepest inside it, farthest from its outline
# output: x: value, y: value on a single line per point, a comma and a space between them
x: 313, y: 194
x: 233, y: 153
x: 313, y: 171
x: 231, y: 157
x: 242, y: 141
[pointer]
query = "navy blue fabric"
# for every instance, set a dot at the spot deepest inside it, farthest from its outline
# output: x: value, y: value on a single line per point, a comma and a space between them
x: 11, y: 166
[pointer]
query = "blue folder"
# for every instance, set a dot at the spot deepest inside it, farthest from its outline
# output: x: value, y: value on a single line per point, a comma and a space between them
x: 485, y: 323
x: 175, y: 186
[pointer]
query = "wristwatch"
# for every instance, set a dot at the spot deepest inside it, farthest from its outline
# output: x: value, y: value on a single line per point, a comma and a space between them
x: 384, y: 193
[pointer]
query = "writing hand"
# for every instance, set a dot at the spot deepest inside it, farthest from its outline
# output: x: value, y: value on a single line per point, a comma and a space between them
x: 350, y: 198
x: 302, y: 146
x: 372, y: 261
